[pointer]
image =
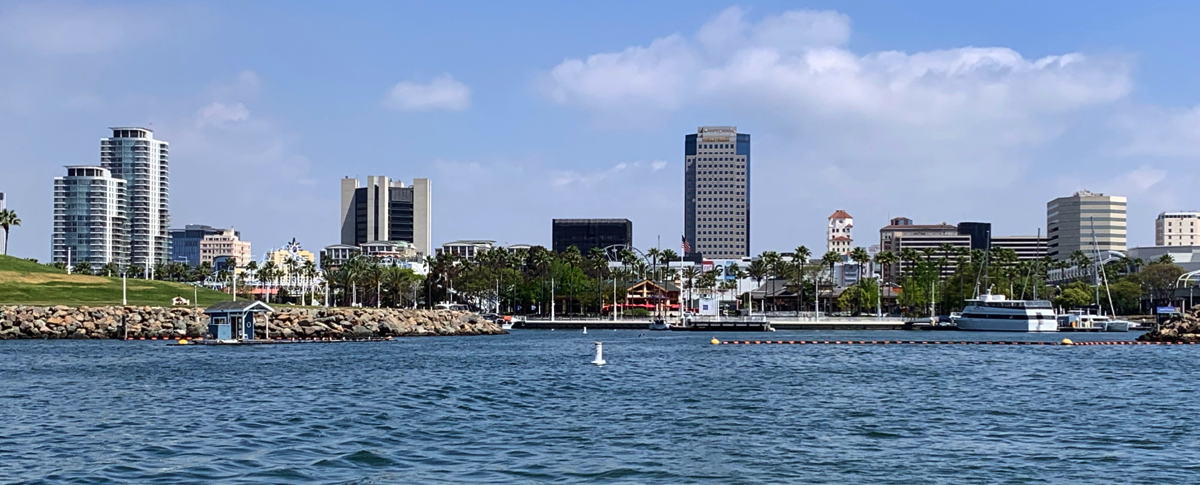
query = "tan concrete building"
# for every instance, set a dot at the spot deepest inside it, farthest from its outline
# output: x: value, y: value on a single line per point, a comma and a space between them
x: 1177, y: 229
x: 1086, y: 221
x: 387, y: 210
x: 226, y: 243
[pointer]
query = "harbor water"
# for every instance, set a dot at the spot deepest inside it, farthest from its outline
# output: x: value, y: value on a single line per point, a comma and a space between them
x: 667, y: 408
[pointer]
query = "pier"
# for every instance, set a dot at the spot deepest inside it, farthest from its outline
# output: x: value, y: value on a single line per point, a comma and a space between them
x: 1063, y: 342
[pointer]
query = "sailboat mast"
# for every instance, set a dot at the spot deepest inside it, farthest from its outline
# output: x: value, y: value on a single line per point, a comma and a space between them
x: 1100, y: 272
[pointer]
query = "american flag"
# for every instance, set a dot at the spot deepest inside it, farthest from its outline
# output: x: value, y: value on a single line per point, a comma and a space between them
x: 687, y: 248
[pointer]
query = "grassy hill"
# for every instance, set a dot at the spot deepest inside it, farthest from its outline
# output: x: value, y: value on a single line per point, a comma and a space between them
x: 24, y: 282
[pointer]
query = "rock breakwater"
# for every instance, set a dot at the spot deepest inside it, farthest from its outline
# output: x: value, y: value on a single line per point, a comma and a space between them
x: 114, y: 322
x: 1181, y: 328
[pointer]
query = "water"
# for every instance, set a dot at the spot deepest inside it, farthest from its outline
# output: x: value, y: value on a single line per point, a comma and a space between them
x: 669, y: 408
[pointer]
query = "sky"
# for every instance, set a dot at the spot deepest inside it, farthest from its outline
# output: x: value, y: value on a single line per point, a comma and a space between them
x: 520, y: 112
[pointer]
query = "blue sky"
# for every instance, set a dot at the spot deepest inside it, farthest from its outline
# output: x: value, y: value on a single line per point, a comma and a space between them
x: 522, y: 112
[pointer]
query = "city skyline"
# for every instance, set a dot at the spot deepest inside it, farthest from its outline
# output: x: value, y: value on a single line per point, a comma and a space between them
x: 251, y: 148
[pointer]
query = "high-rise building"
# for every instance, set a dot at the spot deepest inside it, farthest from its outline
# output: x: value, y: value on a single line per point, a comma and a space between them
x: 89, y: 218
x: 227, y: 244
x: 1175, y: 229
x: 387, y: 210
x: 838, y: 237
x: 1087, y: 222
x: 132, y: 154
x: 185, y: 243
x: 716, y: 193
x: 586, y: 234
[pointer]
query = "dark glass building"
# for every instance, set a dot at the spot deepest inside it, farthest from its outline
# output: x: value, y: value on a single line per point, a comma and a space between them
x: 980, y: 232
x: 185, y: 243
x: 586, y: 234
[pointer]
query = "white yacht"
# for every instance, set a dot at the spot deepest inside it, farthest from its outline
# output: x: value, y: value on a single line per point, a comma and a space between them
x: 996, y: 313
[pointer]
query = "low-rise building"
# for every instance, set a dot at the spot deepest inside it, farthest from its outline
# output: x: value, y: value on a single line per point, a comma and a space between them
x: 225, y: 244
x: 1177, y: 229
x: 185, y: 243
x: 466, y: 249
x: 586, y: 234
x: 1187, y: 257
x: 838, y: 237
x: 333, y: 257
x: 292, y: 251
x: 901, y: 234
x: 1028, y: 248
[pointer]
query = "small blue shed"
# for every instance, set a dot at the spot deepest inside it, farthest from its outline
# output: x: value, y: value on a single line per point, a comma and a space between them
x: 234, y: 320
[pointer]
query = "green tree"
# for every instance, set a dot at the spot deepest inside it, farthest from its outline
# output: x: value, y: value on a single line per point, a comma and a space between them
x: 1158, y: 279
x: 1126, y: 296
x: 1073, y: 297
x: 8, y: 220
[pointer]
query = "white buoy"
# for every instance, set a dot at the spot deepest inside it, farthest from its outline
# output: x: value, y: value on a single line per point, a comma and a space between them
x: 599, y: 354
x: 585, y: 330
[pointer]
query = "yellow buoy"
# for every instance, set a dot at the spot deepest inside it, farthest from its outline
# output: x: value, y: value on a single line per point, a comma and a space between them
x: 183, y: 341
x: 714, y: 341
x: 1067, y: 341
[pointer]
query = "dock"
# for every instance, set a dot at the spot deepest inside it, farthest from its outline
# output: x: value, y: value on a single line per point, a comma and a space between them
x: 842, y: 324
x: 189, y: 342
x: 1063, y: 342
x: 721, y: 324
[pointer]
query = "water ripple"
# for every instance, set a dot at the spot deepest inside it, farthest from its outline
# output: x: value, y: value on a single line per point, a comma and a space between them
x: 527, y: 408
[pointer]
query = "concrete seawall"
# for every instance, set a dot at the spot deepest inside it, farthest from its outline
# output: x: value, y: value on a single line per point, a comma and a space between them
x: 114, y: 322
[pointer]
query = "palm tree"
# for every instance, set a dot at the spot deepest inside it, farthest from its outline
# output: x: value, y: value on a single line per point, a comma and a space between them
x: 654, y: 254
x: 885, y: 259
x: 267, y: 274
x: 668, y: 255
x: 690, y: 274
x: 860, y: 256
x: 8, y: 219
x: 830, y: 259
x: 801, y: 256
x: 308, y: 270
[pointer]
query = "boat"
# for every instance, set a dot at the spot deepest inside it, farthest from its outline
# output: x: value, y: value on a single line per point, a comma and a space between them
x: 1118, y: 326
x: 506, y: 322
x: 1078, y: 321
x: 996, y: 313
x: 659, y: 323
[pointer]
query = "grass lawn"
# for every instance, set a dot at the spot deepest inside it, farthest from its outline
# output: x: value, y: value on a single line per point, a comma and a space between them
x: 24, y: 282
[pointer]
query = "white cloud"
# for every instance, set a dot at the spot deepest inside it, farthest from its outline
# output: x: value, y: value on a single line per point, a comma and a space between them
x: 570, y: 179
x: 795, y: 60
x: 882, y: 133
x: 217, y: 113
x: 442, y: 93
